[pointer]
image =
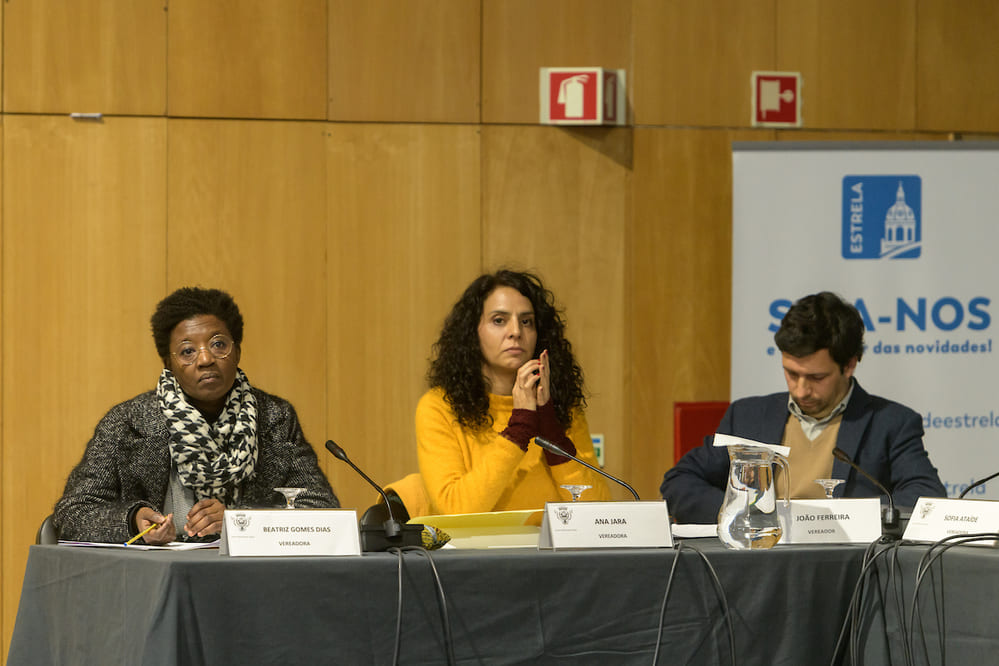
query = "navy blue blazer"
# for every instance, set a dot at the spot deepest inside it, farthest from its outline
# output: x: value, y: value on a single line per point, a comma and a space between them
x: 883, y: 437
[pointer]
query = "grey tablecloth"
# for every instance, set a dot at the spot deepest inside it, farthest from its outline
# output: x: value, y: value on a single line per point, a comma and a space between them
x: 106, y: 606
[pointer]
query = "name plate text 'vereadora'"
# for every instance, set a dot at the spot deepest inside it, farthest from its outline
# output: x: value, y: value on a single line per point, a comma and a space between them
x: 643, y: 524
x: 936, y: 518
x: 840, y: 520
x: 283, y: 532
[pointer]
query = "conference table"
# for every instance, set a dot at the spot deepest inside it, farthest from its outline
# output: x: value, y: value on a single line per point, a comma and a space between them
x: 506, y: 606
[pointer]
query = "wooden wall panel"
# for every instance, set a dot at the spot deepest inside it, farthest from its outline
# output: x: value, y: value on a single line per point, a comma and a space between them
x: 403, y: 243
x: 2, y: 77
x: 818, y: 135
x: 346, y: 243
x: 681, y: 276
x: 247, y: 213
x: 415, y: 61
x: 83, y: 258
x: 106, y: 56
x: 693, y: 60
x: 520, y: 36
x: 857, y: 60
x: 957, y: 65
x: 6, y: 588
x: 247, y: 58
x: 556, y: 201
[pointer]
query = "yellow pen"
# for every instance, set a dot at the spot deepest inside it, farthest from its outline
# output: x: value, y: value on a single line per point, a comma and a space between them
x: 141, y: 534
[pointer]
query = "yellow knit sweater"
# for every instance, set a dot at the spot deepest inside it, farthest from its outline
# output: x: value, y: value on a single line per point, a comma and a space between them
x: 472, y: 472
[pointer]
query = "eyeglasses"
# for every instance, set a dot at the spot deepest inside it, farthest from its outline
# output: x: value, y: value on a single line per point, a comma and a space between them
x: 220, y: 346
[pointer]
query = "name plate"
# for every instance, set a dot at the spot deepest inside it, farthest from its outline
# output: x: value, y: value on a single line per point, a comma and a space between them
x: 843, y: 520
x: 936, y: 518
x: 605, y: 525
x: 277, y: 532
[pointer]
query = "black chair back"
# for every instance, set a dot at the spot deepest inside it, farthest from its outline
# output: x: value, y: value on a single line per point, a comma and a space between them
x: 378, y: 513
x: 47, y: 534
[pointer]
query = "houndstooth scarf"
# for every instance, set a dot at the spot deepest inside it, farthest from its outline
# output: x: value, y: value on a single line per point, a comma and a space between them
x: 211, y: 459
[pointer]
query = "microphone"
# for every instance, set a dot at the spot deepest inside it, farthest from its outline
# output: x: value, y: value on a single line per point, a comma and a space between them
x: 976, y: 484
x: 392, y: 532
x: 558, y: 450
x: 889, y: 515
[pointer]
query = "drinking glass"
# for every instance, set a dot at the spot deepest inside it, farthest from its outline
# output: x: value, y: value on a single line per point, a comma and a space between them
x: 289, y: 495
x: 575, y: 489
x: 829, y: 485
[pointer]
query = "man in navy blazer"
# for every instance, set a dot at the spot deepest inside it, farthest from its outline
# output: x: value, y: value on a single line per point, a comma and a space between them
x: 821, y: 341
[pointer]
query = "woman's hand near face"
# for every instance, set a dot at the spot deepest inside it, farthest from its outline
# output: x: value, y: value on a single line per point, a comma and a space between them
x: 205, y: 518
x: 544, y: 382
x: 165, y: 533
x: 525, y: 389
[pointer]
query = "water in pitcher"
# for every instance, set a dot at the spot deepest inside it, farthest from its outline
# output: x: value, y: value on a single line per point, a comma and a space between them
x: 748, y: 517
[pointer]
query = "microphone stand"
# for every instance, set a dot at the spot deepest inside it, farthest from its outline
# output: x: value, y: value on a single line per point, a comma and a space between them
x: 889, y: 515
x: 391, y: 534
x: 976, y: 484
x: 558, y: 450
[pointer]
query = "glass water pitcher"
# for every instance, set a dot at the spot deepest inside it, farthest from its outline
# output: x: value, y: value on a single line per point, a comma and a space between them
x: 748, y: 517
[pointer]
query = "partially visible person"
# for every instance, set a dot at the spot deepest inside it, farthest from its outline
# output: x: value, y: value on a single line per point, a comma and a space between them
x: 502, y: 373
x: 821, y: 340
x: 204, y: 440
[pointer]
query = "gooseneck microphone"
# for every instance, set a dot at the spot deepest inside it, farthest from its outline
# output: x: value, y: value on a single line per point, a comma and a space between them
x: 976, y: 484
x: 391, y: 526
x: 390, y: 534
x: 889, y: 515
x: 558, y: 450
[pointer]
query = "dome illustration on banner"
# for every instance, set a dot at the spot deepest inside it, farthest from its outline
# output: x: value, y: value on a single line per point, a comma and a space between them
x: 900, y: 227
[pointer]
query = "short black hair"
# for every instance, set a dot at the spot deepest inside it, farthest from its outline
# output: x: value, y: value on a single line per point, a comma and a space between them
x: 189, y: 302
x: 822, y: 321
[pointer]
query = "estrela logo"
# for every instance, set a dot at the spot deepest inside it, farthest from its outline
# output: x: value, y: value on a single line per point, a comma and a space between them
x: 882, y: 217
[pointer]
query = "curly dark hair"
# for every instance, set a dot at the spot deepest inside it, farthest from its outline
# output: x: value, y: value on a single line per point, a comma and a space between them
x: 189, y: 302
x: 822, y: 321
x: 456, y: 362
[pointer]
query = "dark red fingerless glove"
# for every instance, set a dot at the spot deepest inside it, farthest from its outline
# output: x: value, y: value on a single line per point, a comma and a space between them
x: 522, y: 427
x: 552, y: 430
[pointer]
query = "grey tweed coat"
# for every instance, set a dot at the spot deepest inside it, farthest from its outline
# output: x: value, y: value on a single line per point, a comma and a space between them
x: 127, y: 465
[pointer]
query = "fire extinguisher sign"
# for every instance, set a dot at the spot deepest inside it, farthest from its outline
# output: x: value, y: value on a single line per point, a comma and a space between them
x: 582, y: 96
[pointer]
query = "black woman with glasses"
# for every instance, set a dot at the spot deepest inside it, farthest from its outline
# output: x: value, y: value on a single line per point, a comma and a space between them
x: 168, y: 462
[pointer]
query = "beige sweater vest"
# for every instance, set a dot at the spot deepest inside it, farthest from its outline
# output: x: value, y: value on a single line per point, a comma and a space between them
x: 809, y: 459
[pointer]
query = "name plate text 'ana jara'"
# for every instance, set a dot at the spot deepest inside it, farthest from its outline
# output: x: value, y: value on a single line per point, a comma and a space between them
x: 283, y: 532
x: 605, y: 525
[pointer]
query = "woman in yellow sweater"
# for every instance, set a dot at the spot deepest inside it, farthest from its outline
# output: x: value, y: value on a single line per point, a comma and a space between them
x: 503, y: 373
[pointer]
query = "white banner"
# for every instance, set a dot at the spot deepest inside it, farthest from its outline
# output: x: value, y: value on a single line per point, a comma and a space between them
x: 908, y: 233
